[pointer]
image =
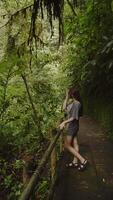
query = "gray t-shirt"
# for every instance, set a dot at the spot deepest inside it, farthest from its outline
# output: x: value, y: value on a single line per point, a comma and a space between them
x: 72, y: 110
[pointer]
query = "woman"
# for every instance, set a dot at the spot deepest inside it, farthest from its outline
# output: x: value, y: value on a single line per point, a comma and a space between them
x: 73, y: 107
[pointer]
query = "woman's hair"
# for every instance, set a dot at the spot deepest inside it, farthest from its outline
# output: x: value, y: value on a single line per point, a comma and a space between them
x: 74, y: 93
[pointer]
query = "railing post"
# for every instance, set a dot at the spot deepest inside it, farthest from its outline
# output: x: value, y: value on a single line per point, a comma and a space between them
x: 61, y: 143
x: 55, y: 164
x: 53, y: 156
x: 30, y: 188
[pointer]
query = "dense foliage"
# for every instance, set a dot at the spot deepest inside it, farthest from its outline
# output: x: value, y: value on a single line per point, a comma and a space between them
x: 35, y: 70
x: 30, y: 91
x: 88, y: 32
x: 89, y: 35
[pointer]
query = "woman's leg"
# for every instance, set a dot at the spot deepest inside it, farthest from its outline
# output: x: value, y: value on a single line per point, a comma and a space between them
x: 76, y: 147
x: 68, y: 142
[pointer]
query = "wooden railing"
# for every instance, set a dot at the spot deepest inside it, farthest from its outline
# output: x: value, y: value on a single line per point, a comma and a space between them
x: 30, y: 188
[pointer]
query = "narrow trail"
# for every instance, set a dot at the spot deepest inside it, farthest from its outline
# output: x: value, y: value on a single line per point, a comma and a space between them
x: 96, y: 182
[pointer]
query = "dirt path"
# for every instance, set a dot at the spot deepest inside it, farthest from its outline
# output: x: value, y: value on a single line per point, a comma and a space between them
x: 96, y: 182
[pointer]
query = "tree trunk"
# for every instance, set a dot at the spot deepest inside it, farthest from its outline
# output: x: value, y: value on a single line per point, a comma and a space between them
x: 35, y: 118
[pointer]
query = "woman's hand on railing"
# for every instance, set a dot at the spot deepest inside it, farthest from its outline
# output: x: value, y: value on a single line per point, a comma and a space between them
x: 62, y: 125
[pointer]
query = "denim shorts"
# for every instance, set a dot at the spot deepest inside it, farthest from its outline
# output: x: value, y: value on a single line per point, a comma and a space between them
x: 72, y: 129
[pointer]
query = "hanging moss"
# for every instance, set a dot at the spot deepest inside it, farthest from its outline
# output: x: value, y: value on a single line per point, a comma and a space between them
x: 54, y: 10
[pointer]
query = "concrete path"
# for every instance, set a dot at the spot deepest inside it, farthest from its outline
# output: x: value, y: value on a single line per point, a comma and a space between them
x: 96, y: 182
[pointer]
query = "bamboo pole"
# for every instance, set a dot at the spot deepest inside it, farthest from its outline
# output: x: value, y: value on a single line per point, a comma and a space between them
x: 36, y: 176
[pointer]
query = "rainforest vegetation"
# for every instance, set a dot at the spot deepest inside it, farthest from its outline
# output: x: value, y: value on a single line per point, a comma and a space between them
x: 46, y: 47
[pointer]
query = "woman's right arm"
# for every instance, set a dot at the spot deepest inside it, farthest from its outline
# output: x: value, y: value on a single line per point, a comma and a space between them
x: 65, y: 101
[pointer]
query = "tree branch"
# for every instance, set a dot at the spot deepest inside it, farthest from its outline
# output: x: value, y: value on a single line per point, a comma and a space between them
x: 15, y: 14
x: 71, y: 6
